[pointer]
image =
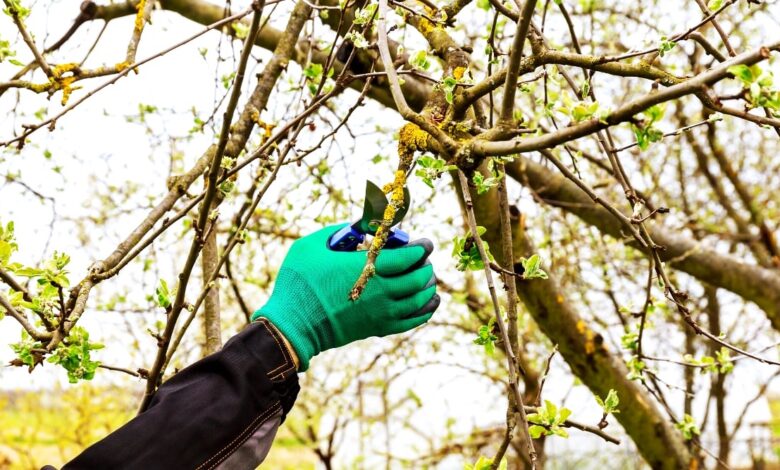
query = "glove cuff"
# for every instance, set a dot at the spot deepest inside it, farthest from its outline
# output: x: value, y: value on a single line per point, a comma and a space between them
x: 301, y: 320
x: 285, y: 321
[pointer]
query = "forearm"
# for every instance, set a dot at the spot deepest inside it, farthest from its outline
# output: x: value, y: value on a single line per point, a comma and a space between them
x: 222, y: 410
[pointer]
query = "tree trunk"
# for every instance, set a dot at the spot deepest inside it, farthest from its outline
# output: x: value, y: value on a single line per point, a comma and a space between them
x: 584, y: 350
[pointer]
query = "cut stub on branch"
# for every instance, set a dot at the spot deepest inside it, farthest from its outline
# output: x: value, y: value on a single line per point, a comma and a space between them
x: 410, y: 139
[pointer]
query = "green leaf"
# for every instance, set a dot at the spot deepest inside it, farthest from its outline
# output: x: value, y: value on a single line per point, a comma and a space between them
x: 688, y: 427
x: 583, y: 111
x: 655, y: 113
x: 430, y: 168
x: 486, y: 338
x: 587, y: 6
x: 610, y: 403
x: 227, y: 79
x: 466, y: 252
x: 483, y: 184
x: 714, y: 4
x: 636, y: 369
x: 725, y: 363
x: 665, y: 46
x: 313, y: 71
x: 5, y: 51
x: 24, y: 350
x: 630, y: 340
x: 357, y: 39
x: 28, y: 272
x: 15, y: 8
x: 163, y: 295
x: 563, y: 415
x: 536, y: 431
x: 532, y: 269
x: 6, y: 250
x: 485, y: 463
x: 448, y: 85
x: 420, y: 60
x: 548, y: 420
x: 742, y: 73
x: 365, y: 15
x: 73, y: 354
x: 550, y: 409
x: 240, y: 29
x: 226, y: 187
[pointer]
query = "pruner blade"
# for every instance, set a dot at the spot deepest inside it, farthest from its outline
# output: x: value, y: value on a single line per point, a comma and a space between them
x: 351, y: 236
x: 374, y: 209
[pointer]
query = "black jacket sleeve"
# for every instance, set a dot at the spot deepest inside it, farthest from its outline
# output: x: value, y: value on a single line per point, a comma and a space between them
x: 221, y: 412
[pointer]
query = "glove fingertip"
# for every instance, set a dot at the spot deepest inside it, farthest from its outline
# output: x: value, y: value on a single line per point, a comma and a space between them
x: 426, y: 243
x: 427, y: 309
x: 431, y: 305
x: 432, y: 281
x: 414, y: 322
x: 396, y: 261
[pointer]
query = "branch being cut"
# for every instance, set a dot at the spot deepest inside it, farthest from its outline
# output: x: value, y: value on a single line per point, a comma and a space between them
x: 410, y: 140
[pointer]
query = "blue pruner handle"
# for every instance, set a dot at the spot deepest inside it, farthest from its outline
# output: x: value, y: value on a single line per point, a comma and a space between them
x: 397, y: 238
x: 346, y: 239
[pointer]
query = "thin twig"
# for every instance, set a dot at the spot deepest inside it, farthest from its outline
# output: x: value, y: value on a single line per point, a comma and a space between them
x: 120, y: 369
x: 30, y: 128
x: 515, y: 56
x: 13, y: 10
x: 203, y: 217
x: 34, y: 333
x: 668, y: 134
x: 510, y: 354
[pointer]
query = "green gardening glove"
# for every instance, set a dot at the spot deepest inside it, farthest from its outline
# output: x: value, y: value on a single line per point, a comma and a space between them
x: 310, y: 303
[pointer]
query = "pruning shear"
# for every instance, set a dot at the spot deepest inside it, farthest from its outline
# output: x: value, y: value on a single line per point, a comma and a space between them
x: 349, y: 237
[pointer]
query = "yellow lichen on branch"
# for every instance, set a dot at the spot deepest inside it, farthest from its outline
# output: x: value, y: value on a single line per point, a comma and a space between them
x: 396, y: 191
x: 67, y: 89
x: 60, y: 69
x: 590, y: 337
x: 59, y: 82
x: 458, y: 72
x: 139, y: 17
x: 410, y: 139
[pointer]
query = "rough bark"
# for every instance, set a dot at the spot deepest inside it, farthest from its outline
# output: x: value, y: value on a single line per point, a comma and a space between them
x: 212, y: 325
x: 584, y: 349
x: 718, y: 381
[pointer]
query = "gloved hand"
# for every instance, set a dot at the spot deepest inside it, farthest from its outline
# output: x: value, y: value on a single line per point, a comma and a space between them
x: 310, y: 302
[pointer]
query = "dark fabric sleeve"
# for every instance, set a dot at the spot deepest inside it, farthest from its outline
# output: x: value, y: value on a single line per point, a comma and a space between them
x: 234, y: 399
